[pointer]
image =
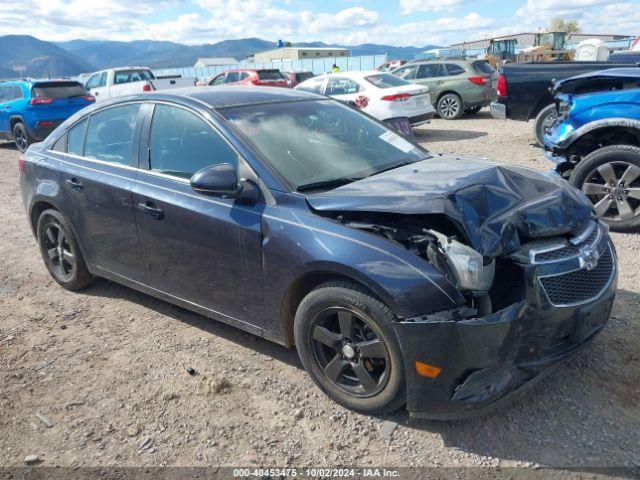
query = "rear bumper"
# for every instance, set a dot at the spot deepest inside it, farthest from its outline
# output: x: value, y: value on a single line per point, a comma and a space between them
x: 498, y: 110
x: 489, y: 361
x: 421, y: 119
x: 41, y: 130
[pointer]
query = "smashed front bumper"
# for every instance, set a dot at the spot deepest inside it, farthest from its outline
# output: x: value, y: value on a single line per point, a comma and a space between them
x: 488, y: 361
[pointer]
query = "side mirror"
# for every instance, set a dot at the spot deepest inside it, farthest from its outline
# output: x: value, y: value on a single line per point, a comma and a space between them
x: 219, y: 180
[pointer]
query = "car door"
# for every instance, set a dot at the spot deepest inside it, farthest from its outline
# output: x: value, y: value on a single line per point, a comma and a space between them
x: 97, y: 179
x: 97, y: 86
x: 203, y: 250
x: 6, y: 96
x: 432, y: 75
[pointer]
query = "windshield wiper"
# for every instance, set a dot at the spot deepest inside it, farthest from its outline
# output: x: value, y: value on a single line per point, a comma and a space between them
x: 394, y: 166
x: 326, y: 184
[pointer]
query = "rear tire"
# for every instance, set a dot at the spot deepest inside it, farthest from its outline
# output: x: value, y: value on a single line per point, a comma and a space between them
x: 450, y: 106
x: 60, y: 251
x: 617, y: 205
x: 21, y: 137
x: 347, y: 345
x: 544, y: 121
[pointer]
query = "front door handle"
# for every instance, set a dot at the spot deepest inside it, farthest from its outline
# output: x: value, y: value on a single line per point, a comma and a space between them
x: 74, y: 184
x: 152, y: 210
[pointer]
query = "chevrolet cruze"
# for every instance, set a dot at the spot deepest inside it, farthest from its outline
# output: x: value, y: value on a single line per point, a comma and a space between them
x: 402, y: 277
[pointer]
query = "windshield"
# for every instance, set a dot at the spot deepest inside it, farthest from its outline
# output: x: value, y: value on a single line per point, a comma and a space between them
x: 386, y: 80
x: 321, y: 141
x: 58, y: 90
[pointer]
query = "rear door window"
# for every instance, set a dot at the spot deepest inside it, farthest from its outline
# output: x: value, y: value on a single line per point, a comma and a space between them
x: 181, y: 143
x: 75, y: 138
x: 110, y: 134
x: 342, y: 86
x: 58, y: 90
x: 128, y: 76
x: 270, y: 75
x: 219, y: 80
x: 233, y: 77
x: 431, y: 70
x: 454, y: 69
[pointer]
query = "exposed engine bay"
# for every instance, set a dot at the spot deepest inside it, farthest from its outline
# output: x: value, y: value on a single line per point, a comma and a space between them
x: 472, y: 273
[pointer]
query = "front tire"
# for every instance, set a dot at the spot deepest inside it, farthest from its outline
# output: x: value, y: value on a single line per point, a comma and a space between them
x: 347, y: 345
x: 60, y: 251
x: 21, y: 137
x: 610, y: 177
x: 544, y: 121
x: 450, y: 106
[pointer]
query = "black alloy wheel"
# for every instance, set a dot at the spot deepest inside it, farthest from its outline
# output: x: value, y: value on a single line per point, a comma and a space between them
x: 60, y: 251
x: 60, y: 254
x: 21, y: 137
x: 347, y: 344
x: 349, y: 352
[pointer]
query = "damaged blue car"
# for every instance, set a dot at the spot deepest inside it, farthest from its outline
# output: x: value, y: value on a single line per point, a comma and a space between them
x: 401, y: 277
x: 595, y: 143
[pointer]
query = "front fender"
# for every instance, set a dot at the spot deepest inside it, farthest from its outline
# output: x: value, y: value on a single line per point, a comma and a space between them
x: 296, y: 245
x: 566, y: 134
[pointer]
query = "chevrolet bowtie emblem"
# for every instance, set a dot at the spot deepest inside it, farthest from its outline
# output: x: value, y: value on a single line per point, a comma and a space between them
x: 588, y: 259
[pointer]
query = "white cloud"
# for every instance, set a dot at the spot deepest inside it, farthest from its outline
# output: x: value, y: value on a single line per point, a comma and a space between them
x: 411, y: 6
x: 208, y: 21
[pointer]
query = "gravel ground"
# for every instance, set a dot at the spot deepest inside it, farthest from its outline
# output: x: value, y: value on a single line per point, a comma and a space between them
x: 99, y: 378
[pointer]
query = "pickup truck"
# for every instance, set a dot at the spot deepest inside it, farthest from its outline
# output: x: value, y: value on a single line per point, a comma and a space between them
x: 115, y: 82
x: 523, y: 90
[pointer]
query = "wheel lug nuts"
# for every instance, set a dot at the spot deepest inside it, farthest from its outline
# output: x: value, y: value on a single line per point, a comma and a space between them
x: 620, y: 198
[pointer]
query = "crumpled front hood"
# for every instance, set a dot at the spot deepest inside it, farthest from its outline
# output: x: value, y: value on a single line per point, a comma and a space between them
x: 498, y: 207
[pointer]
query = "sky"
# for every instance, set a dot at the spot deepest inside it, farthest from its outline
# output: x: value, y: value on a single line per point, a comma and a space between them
x: 391, y: 22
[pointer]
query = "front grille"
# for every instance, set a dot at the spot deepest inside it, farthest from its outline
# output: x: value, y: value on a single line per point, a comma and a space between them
x: 579, y: 286
x: 567, y: 251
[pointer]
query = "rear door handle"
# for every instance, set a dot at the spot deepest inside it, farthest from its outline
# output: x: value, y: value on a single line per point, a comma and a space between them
x: 74, y: 184
x: 152, y: 210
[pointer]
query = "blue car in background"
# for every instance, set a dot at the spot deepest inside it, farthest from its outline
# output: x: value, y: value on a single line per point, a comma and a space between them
x: 595, y: 143
x: 31, y: 109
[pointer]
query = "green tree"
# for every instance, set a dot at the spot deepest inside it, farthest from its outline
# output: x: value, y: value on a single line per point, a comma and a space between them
x: 558, y: 24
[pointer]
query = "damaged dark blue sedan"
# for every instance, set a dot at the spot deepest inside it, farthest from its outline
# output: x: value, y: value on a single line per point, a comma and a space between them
x: 402, y: 277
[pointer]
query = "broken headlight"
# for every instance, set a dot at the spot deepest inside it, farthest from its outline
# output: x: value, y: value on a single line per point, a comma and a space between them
x: 470, y: 269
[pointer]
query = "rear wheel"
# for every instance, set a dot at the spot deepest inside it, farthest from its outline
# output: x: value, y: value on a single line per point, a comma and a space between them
x: 544, y: 121
x: 60, y: 251
x: 346, y: 343
x: 450, y: 106
x: 21, y: 137
x: 610, y: 177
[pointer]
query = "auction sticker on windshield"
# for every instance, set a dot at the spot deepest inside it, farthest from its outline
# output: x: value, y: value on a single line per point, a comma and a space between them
x: 397, y: 141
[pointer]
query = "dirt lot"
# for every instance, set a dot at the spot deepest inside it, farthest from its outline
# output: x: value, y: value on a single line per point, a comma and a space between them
x: 107, y: 367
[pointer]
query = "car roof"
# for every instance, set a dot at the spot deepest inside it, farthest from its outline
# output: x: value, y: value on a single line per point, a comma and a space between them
x: 231, y: 96
x: 626, y: 72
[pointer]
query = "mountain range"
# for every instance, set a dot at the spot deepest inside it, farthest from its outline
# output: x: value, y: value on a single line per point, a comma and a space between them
x: 27, y: 56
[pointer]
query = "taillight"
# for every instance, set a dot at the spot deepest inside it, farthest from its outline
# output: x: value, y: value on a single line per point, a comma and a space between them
x: 396, y: 98
x: 478, y: 80
x: 45, y: 123
x: 40, y: 101
x: 502, y: 86
x: 21, y: 164
x: 89, y: 98
x: 146, y: 87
